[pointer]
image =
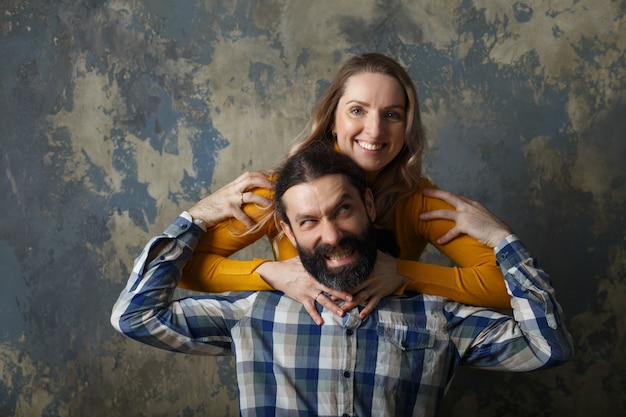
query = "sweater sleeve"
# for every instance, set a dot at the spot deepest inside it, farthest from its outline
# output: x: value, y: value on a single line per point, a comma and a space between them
x: 476, y: 279
x: 211, y: 270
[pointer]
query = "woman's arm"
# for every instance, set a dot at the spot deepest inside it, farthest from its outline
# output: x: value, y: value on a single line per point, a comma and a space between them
x: 210, y: 269
x: 227, y: 215
x: 466, y: 233
x: 476, y: 279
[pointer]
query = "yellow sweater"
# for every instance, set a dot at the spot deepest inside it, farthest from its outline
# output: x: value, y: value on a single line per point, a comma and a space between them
x: 477, y: 280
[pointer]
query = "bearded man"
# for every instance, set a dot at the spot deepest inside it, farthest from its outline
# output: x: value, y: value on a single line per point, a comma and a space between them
x: 395, y: 362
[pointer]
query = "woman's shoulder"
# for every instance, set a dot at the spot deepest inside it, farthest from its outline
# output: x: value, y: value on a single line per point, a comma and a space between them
x: 418, y: 201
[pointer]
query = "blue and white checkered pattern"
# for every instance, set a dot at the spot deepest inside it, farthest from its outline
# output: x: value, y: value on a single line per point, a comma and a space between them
x: 396, y: 362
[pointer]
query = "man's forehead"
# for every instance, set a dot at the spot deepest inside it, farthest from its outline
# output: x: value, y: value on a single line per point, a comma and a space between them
x: 319, y: 193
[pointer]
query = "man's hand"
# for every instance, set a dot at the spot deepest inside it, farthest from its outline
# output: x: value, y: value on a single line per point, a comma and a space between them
x: 471, y: 218
x: 227, y: 202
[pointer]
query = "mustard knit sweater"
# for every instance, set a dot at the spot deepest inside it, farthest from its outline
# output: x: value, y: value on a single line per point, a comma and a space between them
x: 476, y: 279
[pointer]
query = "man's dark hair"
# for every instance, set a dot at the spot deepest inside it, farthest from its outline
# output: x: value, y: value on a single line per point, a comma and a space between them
x: 310, y: 163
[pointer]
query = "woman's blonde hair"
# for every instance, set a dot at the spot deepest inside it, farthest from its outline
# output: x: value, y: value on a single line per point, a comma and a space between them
x: 400, y: 178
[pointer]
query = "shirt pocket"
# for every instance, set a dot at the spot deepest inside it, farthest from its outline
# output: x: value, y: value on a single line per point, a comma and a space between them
x: 405, y: 337
x: 404, y: 353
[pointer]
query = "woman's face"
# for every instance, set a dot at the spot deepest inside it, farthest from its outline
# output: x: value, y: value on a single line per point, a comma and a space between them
x: 370, y: 120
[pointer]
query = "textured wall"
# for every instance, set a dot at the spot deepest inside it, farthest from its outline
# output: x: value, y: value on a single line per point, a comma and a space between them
x: 116, y: 115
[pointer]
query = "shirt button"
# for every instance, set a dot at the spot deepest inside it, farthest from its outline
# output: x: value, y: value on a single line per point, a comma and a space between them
x: 346, y: 374
x: 183, y: 226
x: 349, y: 332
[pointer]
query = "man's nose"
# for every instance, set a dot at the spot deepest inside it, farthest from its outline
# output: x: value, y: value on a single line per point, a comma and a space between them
x: 331, y: 233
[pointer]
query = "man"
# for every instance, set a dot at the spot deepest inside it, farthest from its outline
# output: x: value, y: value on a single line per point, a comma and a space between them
x: 395, y: 362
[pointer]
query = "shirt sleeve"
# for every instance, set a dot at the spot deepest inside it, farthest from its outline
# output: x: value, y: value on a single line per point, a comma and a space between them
x: 534, y: 338
x: 146, y: 311
x: 476, y: 278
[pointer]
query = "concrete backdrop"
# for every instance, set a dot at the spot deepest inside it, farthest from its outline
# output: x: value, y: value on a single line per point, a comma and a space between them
x: 116, y: 115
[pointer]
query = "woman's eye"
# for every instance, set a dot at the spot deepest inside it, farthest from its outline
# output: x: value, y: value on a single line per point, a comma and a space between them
x: 357, y: 111
x: 392, y: 115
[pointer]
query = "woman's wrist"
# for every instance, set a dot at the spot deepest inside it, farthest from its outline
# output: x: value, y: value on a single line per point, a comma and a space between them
x: 265, y: 272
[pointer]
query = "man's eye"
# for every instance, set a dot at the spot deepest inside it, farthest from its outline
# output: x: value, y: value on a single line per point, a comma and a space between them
x: 345, y: 209
x: 306, y: 223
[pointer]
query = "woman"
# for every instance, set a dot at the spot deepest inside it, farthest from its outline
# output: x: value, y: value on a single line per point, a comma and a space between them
x: 370, y: 112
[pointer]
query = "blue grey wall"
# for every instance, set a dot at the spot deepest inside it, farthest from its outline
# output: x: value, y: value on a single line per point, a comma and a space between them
x: 116, y: 115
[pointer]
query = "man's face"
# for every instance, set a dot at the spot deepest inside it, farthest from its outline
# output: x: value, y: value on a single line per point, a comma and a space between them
x: 331, y: 227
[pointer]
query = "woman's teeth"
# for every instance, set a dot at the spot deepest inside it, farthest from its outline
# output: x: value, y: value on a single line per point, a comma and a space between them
x: 370, y: 146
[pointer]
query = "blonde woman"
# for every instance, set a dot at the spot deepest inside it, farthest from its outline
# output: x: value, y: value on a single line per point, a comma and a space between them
x: 370, y: 112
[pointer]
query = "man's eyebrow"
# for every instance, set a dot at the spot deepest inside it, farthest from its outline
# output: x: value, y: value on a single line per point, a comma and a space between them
x: 341, y: 200
x: 300, y: 217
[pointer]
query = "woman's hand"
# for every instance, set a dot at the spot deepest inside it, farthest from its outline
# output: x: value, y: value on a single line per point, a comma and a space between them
x: 227, y: 202
x: 471, y: 218
x: 383, y: 281
x: 291, y: 278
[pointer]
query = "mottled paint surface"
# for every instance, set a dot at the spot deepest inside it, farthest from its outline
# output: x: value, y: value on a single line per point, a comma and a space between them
x: 116, y: 115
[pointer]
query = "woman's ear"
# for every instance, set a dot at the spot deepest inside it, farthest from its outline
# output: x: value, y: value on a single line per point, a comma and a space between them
x: 369, y: 205
x: 288, y: 232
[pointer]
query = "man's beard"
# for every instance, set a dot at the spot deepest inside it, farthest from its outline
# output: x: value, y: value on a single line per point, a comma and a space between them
x: 345, y: 277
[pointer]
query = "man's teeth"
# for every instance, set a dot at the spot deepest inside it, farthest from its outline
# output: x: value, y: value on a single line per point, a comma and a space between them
x: 339, y: 255
x: 370, y: 146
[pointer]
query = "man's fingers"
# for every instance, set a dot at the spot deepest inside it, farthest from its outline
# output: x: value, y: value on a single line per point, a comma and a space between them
x: 439, y: 214
x: 254, y: 178
x: 446, y: 196
x: 243, y: 218
x: 451, y: 235
x: 254, y: 198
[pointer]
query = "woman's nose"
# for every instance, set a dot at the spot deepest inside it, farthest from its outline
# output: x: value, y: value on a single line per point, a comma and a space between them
x: 373, y: 125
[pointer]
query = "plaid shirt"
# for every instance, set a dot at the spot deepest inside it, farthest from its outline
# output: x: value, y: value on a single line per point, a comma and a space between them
x: 396, y: 362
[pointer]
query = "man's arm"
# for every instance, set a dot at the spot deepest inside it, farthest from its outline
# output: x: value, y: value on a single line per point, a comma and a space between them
x: 145, y: 310
x: 535, y: 338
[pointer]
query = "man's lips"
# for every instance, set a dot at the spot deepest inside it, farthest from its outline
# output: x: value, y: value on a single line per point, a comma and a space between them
x: 335, y: 256
x: 341, y: 257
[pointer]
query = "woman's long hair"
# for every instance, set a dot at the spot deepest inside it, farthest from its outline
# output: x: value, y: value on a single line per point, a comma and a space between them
x: 400, y: 178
